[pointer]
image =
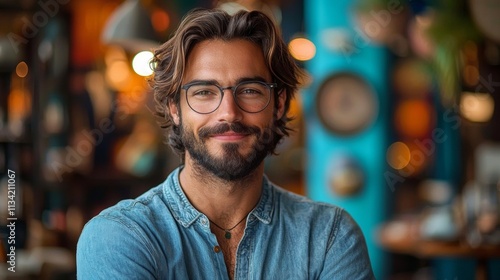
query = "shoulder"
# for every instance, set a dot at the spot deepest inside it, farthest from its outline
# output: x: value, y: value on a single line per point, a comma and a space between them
x: 129, y: 220
x: 323, y: 215
x: 141, y: 207
x: 127, y: 215
x: 107, y: 239
x: 301, y: 205
x: 333, y: 229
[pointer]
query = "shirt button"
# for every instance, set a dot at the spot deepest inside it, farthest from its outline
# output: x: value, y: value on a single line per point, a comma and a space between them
x: 217, y: 249
x: 204, y: 221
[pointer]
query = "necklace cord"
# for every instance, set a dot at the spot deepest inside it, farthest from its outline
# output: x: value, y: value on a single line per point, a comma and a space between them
x: 228, y: 230
x: 227, y: 234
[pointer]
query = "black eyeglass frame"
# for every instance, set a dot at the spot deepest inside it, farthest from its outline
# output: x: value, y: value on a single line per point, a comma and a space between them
x: 271, y: 87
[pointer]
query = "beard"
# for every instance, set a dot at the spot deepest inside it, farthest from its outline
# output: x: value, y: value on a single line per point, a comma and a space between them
x: 231, y: 165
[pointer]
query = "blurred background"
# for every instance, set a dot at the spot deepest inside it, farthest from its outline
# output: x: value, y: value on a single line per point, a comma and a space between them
x: 395, y: 123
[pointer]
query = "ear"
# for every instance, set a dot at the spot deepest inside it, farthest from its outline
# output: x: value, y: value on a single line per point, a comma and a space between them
x: 281, y: 104
x: 174, y: 112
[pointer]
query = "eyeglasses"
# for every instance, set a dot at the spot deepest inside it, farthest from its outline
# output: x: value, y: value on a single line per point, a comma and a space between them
x: 250, y: 96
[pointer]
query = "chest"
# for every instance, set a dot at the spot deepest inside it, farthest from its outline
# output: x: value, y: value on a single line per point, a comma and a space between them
x: 228, y: 245
x: 197, y: 253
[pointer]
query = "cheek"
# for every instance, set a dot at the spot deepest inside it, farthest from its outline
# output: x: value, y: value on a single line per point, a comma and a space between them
x: 192, y: 120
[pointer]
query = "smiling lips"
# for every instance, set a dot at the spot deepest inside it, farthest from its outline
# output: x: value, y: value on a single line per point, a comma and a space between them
x: 229, y: 136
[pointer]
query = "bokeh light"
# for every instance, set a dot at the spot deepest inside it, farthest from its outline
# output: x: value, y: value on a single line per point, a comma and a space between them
x: 114, y: 53
x: 160, y: 20
x: 141, y: 63
x: 398, y: 155
x: 477, y: 107
x: 117, y: 74
x: 407, y: 157
x: 22, y: 69
x: 302, y: 49
x: 413, y: 118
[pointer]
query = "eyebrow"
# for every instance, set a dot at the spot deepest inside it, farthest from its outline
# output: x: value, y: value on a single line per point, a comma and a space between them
x: 240, y: 80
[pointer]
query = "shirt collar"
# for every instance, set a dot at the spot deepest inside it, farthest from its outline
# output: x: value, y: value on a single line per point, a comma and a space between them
x: 264, y: 209
x: 185, y: 213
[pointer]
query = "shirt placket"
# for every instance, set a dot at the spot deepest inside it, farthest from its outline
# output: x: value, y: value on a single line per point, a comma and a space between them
x: 216, y: 250
x: 244, y: 252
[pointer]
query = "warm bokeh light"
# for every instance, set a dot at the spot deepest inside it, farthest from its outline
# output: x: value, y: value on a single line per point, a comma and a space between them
x: 302, y: 49
x: 413, y: 118
x: 398, y: 155
x: 160, y: 20
x: 477, y: 107
x: 117, y: 74
x: 114, y: 53
x: 141, y: 63
x: 19, y: 103
x: 22, y: 69
x: 407, y: 157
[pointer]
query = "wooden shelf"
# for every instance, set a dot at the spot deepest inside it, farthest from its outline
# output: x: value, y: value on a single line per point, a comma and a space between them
x: 402, y: 237
x: 409, y: 242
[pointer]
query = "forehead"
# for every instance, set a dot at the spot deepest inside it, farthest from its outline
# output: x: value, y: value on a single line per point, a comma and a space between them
x: 225, y: 61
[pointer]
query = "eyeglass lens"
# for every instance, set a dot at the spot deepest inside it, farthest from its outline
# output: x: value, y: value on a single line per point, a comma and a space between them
x: 251, y: 97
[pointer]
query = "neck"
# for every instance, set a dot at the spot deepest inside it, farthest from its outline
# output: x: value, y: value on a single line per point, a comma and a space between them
x: 223, y: 202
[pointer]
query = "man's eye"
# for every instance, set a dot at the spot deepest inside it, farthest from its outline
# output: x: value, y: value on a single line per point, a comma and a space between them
x: 204, y: 93
x: 249, y: 91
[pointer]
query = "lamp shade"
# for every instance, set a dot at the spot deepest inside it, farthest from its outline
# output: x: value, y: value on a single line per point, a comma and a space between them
x: 130, y: 27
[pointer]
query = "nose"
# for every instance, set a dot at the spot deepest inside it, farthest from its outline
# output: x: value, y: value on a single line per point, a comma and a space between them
x: 228, y: 109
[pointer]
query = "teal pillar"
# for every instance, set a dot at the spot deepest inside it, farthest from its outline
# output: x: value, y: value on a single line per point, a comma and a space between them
x: 329, y: 24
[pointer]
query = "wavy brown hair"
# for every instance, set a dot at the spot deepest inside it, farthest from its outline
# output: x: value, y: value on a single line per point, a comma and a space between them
x: 206, y: 24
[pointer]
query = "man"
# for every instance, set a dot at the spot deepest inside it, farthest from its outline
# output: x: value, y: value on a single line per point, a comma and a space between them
x: 223, y: 85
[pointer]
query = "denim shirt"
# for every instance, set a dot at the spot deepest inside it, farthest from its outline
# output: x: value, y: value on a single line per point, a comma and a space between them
x: 160, y: 235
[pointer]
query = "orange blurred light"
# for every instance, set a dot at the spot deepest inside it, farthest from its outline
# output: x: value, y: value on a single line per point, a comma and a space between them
x: 302, y: 49
x: 19, y: 104
x: 22, y: 69
x: 117, y: 74
x: 160, y: 20
x: 114, y: 53
x: 409, y: 158
x: 398, y: 155
x: 413, y: 118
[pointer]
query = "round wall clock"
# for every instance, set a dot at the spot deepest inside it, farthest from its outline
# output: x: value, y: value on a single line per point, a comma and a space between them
x: 346, y: 104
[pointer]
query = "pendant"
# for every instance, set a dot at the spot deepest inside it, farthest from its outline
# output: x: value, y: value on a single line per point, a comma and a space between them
x: 227, y: 235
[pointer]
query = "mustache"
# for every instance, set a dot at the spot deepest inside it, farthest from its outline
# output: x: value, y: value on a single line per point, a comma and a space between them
x: 238, y: 127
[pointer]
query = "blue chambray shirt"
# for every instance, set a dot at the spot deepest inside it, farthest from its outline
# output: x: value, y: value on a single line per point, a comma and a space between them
x: 160, y: 235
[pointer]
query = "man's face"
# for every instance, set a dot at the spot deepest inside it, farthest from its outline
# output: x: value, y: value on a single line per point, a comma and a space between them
x: 229, y: 142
